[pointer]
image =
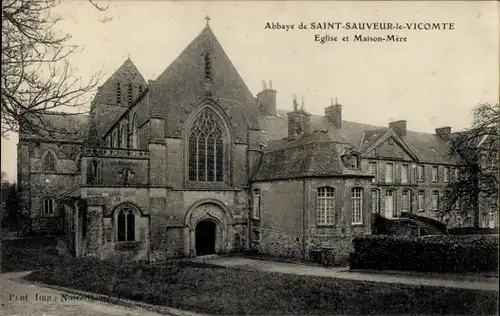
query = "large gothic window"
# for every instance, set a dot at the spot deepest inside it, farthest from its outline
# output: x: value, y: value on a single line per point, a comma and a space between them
x: 206, y: 148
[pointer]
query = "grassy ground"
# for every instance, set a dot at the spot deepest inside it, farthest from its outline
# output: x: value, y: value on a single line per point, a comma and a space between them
x: 29, y: 254
x: 216, y: 290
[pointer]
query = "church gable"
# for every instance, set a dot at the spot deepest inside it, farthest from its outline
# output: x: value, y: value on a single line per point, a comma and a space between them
x: 202, y: 71
x: 123, y: 87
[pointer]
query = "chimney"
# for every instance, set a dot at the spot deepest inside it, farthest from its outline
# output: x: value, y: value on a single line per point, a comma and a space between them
x: 299, y: 121
x: 334, y: 113
x: 267, y: 99
x: 444, y: 132
x: 399, y: 127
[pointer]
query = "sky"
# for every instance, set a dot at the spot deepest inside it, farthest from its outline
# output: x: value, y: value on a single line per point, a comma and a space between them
x: 433, y: 79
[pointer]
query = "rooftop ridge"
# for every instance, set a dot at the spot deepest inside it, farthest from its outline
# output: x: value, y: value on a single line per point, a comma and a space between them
x: 371, y: 126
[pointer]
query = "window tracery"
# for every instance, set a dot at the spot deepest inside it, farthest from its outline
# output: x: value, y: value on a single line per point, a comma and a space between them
x: 206, y: 148
x: 126, y: 224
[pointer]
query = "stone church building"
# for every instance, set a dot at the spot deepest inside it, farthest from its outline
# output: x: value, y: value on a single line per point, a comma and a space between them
x: 192, y: 163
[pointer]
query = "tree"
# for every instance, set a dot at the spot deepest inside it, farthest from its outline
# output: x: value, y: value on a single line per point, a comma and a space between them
x: 36, y: 75
x: 10, y: 206
x: 475, y: 185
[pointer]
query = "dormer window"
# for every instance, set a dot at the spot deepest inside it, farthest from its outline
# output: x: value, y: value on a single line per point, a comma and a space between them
x: 354, y: 162
x: 351, y: 158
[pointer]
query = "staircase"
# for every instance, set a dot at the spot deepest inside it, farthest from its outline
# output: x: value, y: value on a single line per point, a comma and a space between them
x: 406, y: 225
x: 429, y: 225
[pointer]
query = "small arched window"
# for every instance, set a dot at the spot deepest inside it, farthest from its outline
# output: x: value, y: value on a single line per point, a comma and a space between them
x: 134, y: 132
x: 206, y: 148
x: 116, y: 139
x: 124, y: 136
x: 325, y: 206
x: 357, y: 205
x: 126, y: 224
x: 49, y: 162
x: 78, y: 162
x: 93, y: 172
x: 118, y: 94
x: 140, y: 90
x: 130, y: 94
x: 48, y: 206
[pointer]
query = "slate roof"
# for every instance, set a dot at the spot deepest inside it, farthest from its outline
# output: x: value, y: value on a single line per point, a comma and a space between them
x: 73, y: 193
x: 107, y: 115
x: 58, y: 126
x: 311, y: 155
x: 182, y: 87
x: 429, y: 148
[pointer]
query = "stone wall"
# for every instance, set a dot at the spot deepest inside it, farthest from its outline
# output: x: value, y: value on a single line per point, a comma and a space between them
x: 281, y: 225
x: 289, y: 206
x: 36, y: 184
x: 101, y: 237
x: 337, y: 236
x: 169, y: 220
x: 112, y: 171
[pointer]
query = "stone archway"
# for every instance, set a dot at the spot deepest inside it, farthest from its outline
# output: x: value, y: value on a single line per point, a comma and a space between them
x: 206, y: 228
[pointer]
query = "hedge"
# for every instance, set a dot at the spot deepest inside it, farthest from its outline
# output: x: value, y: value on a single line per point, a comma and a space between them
x: 444, y: 253
x: 472, y: 231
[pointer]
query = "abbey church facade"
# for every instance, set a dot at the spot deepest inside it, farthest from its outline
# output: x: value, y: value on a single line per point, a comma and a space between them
x: 191, y: 163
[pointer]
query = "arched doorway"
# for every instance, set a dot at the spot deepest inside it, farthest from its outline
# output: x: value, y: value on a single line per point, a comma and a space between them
x: 205, y: 237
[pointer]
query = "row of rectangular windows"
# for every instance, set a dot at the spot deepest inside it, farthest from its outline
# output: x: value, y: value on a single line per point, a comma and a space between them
x: 406, y: 199
x: 325, y: 205
x: 418, y: 173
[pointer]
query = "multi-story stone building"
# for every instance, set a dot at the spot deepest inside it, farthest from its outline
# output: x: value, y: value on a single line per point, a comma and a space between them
x: 192, y: 163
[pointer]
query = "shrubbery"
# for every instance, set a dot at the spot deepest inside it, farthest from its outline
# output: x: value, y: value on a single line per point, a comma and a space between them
x: 444, y: 253
x: 472, y: 231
